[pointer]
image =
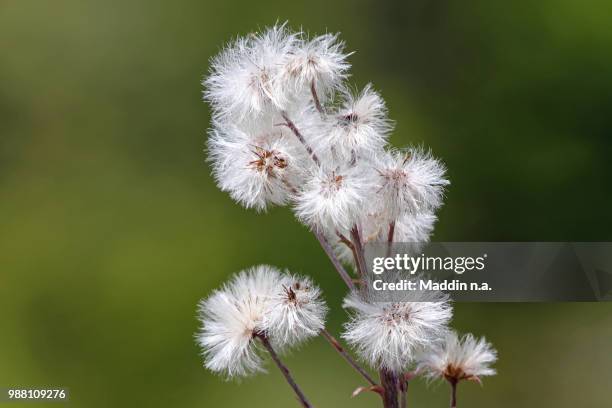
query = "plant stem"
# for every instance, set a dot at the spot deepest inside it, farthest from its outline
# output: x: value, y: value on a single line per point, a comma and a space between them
x: 453, y: 402
x: 285, y: 371
x: 289, y: 123
x: 403, y: 386
x: 389, y: 382
x: 332, y: 340
x: 349, y: 244
x: 315, y: 98
x: 330, y: 253
x: 391, y: 232
x: 359, y: 258
x: 390, y: 237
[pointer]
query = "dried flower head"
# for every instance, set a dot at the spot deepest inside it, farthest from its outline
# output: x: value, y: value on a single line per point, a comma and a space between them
x: 258, y: 169
x: 334, y: 199
x: 319, y: 62
x: 410, y: 181
x: 245, y: 78
x: 232, y: 316
x: 359, y: 127
x: 296, y: 311
x: 387, y: 334
x: 457, y: 359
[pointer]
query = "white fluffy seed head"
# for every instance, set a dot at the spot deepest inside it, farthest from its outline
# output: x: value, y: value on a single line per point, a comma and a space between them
x: 261, y: 301
x: 231, y: 317
x: 245, y: 80
x: 320, y: 61
x: 334, y: 199
x: 410, y: 181
x: 258, y: 169
x: 296, y: 311
x: 360, y: 126
x: 415, y: 228
x: 457, y: 359
x: 388, y: 334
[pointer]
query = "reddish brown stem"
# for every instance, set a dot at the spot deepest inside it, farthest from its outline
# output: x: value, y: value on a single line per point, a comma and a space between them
x: 289, y: 123
x: 403, y: 386
x: 315, y: 98
x: 285, y: 371
x: 349, y: 244
x: 359, y: 255
x: 391, y: 232
x: 390, y: 237
x: 336, y: 344
x: 453, y: 397
x: 389, y: 382
x: 330, y: 253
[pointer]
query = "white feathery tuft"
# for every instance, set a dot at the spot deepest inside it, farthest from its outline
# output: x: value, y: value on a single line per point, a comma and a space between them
x: 232, y: 316
x: 259, y: 169
x: 359, y: 127
x: 334, y: 199
x: 296, y: 311
x: 320, y: 61
x: 457, y: 359
x: 410, y: 181
x: 245, y: 78
x: 387, y: 334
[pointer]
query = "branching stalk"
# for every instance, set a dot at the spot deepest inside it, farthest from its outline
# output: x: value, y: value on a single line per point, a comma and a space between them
x: 289, y: 123
x: 330, y: 253
x: 349, y: 244
x: 336, y: 344
x: 360, y: 257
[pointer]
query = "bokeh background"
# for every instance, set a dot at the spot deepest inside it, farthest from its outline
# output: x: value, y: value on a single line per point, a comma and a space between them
x: 111, y: 228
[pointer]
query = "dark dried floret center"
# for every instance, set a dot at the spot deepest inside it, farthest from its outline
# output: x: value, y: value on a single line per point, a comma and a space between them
x: 267, y: 161
x: 349, y: 119
x: 455, y: 373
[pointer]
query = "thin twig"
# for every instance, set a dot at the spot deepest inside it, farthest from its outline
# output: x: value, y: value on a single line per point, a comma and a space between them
x: 349, y: 244
x: 391, y: 232
x: 330, y: 253
x: 285, y: 371
x: 315, y: 98
x: 332, y: 340
x: 289, y: 123
x: 390, y: 237
x: 403, y: 386
x: 359, y: 255
x: 453, y: 398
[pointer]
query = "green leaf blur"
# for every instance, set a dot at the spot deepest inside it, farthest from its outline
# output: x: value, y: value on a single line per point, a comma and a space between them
x: 112, y: 229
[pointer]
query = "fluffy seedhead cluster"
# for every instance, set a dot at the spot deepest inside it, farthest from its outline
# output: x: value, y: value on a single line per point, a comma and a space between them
x: 288, y: 130
x: 260, y: 302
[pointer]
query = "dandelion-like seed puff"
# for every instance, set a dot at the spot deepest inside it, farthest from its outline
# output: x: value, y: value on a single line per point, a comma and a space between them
x: 387, y: 334
x: 456, y: 359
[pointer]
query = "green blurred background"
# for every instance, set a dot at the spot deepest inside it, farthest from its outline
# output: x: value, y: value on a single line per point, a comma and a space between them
x: 111, y: 228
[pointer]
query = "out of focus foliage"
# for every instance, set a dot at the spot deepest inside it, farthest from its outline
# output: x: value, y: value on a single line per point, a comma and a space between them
x: 111, y: 227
